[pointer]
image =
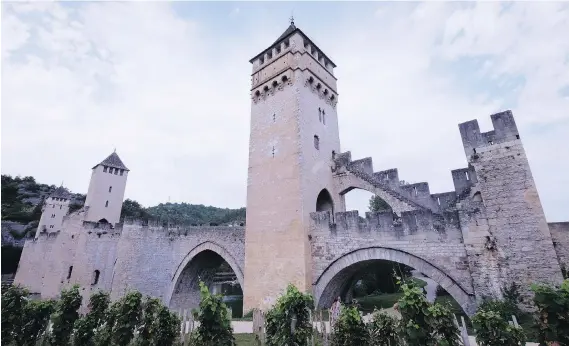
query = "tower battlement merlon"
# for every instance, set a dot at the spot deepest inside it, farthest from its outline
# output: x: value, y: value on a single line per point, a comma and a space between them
x: 505, y: 130
x: 463, y: 179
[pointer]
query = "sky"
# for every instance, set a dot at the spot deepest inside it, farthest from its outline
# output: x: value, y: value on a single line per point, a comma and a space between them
x: 167, y: 85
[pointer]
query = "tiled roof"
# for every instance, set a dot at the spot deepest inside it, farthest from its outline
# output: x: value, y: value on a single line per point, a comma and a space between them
x: 113, y: 160
x: 285, y: 34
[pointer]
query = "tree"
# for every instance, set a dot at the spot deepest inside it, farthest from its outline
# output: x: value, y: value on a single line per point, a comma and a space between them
x: 128, y: 315
x: 350, y: 328
x: 215, y: 325
x: 87, y: 326
x: 13, y: 302
x: 377, y: 204
x: 35, y: 321
x: 65, y: 316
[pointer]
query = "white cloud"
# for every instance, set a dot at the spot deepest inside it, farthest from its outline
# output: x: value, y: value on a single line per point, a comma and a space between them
x: 81, y: 79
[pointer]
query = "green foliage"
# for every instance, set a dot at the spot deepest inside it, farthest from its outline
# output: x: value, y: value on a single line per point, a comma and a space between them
x: 14, y: 300
x: 493, y: 330
x: 414, y: 308
x: 65, y: 316
x: 36, y: 318
x: 441, y: 323
x: 383, y: 329
x: 87, y: 326
x: 377, y: 204
x: 377, y: 278
x: 553, y: 312
x: 128, y: 314
x: 423, y: 323
x: 350, y: 328
x: 184, y: 213
x: 288, y: 322
x: 158, y: 325
x: 215, y: 325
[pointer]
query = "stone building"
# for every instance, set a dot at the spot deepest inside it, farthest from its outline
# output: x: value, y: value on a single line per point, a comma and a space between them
x: 474, y: 241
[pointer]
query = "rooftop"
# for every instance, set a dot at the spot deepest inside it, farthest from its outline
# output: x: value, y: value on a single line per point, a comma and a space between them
x: 113, y: 160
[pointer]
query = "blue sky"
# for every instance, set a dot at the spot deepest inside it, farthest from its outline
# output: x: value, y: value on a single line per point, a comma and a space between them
x: 167, y: 84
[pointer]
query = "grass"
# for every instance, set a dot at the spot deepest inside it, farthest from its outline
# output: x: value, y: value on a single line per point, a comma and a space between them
x: 245, y: 339
x: 382, y: 301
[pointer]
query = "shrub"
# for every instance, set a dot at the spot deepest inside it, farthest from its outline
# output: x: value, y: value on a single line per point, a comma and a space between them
x: 215, y: 325
x: 36, y: 319
x: 13, y: 302
x: 65, y: 316
x: 383, y: 329
x: 442, y: 324
x: 553, y: 312
x: 415, y: 323
x: 288, y: 322
x: 350, y: 329
x: 128, y: 314
x: 159, y: 327
x: 87, y: 326
x: 493, y: 330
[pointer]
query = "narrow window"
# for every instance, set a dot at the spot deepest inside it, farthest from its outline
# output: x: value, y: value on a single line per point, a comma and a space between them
x: 323, y: 117
x: 104, y: 168
x: 316, y: 142
x: 273, y: 151
x: 69, y: 272
x: 116, y: 171
x: 274, y: 117
x: 474, y: 150
x: 467, y: 177
x: 319, y: 114
x: 122, y: 171
x: 60, y: 206
x: 110, y: 188
x: 106, y: 204
x: 96, y: 277
x: 517, y: 136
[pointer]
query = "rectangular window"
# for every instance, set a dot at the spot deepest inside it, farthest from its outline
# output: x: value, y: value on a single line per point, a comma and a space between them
x: 316, y: 142
x: 116, y: 171
x: 323, y: 117
x: 104, y: 168
x: 69, y: 272
x: 110, y: 188
x: 106, y: 204
x: 122, y: 171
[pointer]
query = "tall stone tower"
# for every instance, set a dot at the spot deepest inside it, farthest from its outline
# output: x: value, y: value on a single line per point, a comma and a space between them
x: 106, y: 190
x: 505, y: 231
x: 293, y: 138
x: 54, y: 209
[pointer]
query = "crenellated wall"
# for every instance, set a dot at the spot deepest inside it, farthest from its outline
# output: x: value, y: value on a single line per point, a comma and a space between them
x: 428, y: 242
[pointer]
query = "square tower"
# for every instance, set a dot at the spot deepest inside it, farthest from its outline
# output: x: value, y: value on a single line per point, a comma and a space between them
x: 293, y: 138
x: 106, y: 190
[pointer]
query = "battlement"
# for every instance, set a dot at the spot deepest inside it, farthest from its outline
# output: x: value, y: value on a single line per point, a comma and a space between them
x: 388, y: 176
x: 505, y: 130
x: 463, y: 179
x: 385, y: 222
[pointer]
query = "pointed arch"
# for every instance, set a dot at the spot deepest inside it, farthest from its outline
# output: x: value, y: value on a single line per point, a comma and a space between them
x: 205, y: 246
x: 332, y: 280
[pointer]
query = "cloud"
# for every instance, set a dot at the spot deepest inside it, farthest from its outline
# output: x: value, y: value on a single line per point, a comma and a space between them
x: 172, y: 95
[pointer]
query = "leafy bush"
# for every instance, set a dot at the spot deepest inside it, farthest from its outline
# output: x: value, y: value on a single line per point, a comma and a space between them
x: 65, y: 316
x: 553, y: 312
x: 493, y: 330
x: 442, y: 324
x: 414, y: 308
x: 215, y: 325
x: 13, y: 302
x: 87, y: 326
x: 383, y: 329
x: 288, y: 322
x: 36, y: 318
x: 350, y: 329
x: 158, y: 325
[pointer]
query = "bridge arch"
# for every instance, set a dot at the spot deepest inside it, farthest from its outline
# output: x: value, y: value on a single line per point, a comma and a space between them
x: 333, y: 279
x: 189, y: 261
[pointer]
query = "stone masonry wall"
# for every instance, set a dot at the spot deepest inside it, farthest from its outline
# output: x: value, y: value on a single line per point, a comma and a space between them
x: 418, y: 239
x: 560, y: 236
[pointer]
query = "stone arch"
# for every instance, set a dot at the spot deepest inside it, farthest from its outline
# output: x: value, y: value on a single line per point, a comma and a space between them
x: 331, y: 282
x: 348, y: 182
x: 205, y: 246
x: 324, y: 202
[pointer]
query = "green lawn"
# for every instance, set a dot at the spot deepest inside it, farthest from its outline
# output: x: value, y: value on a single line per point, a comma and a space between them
x: 245, y: 339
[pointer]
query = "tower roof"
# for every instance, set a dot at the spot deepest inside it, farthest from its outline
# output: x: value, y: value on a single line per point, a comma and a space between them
x: 286, y: 34
x: 113, y: 160
x: 60, y: 192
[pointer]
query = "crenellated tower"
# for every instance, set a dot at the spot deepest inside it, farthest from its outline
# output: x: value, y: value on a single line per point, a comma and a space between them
x: 54, y: 209
x: 106, y: 190
x: 293, y: 139
x: 506, y: 235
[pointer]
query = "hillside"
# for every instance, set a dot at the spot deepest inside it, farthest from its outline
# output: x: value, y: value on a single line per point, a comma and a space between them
x: 22, y: 200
